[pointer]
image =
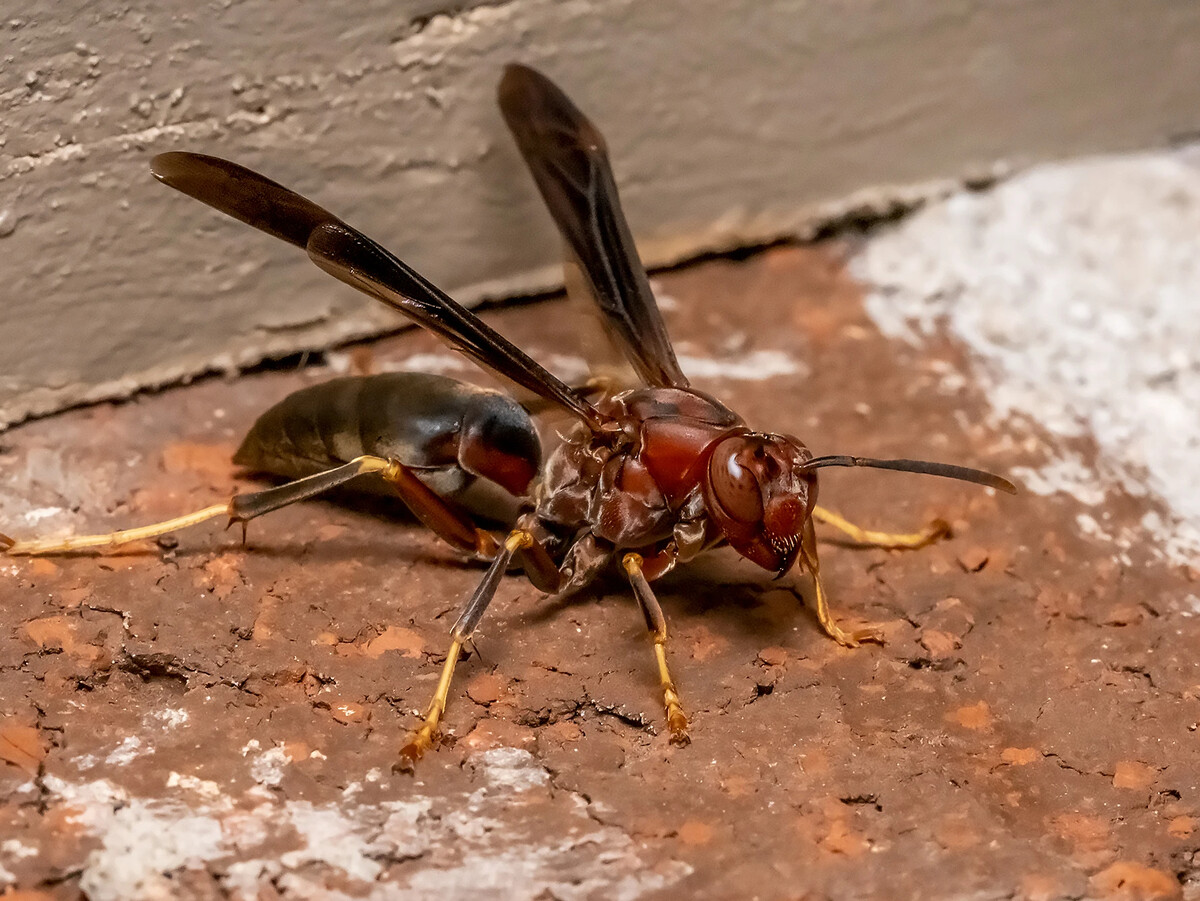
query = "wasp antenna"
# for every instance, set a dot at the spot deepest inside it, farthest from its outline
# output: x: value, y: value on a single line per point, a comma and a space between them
x: 945, y: 470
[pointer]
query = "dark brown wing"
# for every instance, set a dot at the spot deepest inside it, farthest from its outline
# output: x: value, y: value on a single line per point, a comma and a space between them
x: 355, y: 259
x: 569, y: 161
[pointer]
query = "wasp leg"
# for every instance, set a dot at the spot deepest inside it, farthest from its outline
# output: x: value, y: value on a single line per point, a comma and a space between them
x: 808, y: 548
x: 436, y: 513
x: 939, y: 528
x: 39, y: 546
x: 657, y: 624
x: 422, y: 739
x: 430, y: 508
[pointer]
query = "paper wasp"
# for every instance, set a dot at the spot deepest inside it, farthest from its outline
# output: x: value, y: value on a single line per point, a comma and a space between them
x: 646, y: 478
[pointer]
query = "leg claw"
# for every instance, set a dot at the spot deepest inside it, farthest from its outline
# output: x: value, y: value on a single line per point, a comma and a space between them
x: 414, y: 749
x: 936, y: 531
x: 678, y: 724
x: 857, y: 637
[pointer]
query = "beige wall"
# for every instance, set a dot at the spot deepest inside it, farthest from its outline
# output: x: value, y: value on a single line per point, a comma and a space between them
x: 729, y: 122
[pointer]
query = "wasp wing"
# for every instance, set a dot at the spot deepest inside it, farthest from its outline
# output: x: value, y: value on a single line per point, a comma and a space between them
x: 355, y: 259
x: 569, y: 160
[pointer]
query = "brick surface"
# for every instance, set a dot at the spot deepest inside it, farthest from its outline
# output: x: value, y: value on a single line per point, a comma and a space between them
x: 205, y: 720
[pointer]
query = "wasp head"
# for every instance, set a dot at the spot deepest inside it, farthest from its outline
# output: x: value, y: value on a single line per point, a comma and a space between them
x: 759, y: 495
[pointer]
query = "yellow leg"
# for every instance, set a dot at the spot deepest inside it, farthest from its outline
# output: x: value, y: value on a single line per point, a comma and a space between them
x: 657, y: 624
x: 836, y: 632
x: 808, y: 550
x: 939, y: 528
x: 422, y: 740
x: 242, y: 508
x: 677, y: 720
x: 114, y: 539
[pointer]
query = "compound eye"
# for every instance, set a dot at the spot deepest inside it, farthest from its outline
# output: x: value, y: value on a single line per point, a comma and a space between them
x: 733, y: 484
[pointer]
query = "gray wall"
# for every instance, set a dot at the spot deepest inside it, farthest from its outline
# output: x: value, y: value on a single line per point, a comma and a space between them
x: 729, y: 123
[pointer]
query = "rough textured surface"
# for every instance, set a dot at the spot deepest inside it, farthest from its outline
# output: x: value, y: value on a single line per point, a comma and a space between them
x: 729, y: 123
x: 205, y: 720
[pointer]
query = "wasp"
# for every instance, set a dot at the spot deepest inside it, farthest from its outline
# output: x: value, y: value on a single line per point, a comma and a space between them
x: 644, y: 479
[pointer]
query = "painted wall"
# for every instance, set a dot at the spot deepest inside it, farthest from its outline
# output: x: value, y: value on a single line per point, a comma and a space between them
x: 729, y: 123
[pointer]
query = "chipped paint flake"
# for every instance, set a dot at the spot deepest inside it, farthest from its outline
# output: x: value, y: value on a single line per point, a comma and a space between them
x: 170, y: 717
x: 33, y: 517
x: 267, y: 768
x: 127, y: 751
x: 512, y: 769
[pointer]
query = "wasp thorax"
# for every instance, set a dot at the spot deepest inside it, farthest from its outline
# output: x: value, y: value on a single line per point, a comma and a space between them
x: 759, y: 497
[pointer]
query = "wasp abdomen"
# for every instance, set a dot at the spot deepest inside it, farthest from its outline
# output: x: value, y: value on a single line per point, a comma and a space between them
x: 449, y: 431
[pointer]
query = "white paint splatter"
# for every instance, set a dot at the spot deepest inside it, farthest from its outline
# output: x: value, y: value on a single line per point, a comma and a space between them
x: 512, y: 769
x: 36, y: 515
x: 204, y: 787
x: 755, y: 366
x: 170, y: 717
x: 17, y: 849
x: 143, y: 842
x: 435, y: 363
x: 330, y: 836
x: 1077, y: 286
x: 665, y: 301
x: 267, y: 768
x: 1067, y: 474
x: 127, y: 751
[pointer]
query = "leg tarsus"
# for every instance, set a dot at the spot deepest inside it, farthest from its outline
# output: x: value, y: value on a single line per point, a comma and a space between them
x: 851, y: 639
x: 424, y: 738
x: 936, y: 530
x: 39, y: 546
x: 677, y: 721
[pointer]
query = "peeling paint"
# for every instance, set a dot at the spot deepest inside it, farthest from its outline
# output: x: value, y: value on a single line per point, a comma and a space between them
x: 1075, y: 287
x: 267, y: 768
x: 512, y: 769
x: 37, y: 515
x: 127, y: 751
x: 144, y: 842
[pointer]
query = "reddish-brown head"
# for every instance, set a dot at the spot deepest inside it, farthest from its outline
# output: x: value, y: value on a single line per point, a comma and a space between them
x: 759, y: 495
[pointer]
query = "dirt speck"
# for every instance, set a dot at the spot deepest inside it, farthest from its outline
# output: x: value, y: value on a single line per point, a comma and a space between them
x: 973, y: 559
x: 696, y: 832
x: 773, y: 656
x: 1131, y: 881
x: 22, y: 747
x: 486, y: 688
x: 395, y: 638
x: 974, y: 716
x: 1020, y: 756
x: 1132, y: 774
